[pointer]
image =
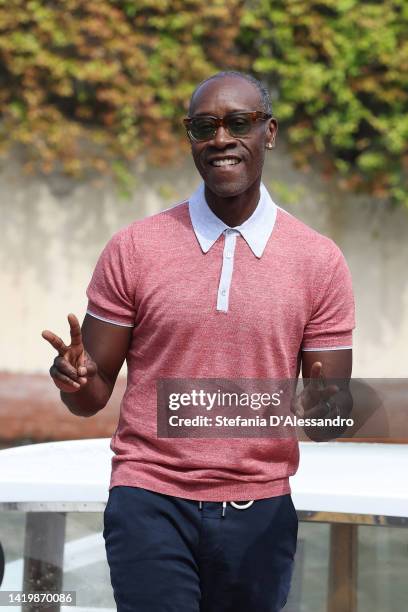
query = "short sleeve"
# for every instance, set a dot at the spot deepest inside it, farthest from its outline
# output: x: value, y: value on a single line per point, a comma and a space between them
x: 112, y: 289
x: 332, y: 320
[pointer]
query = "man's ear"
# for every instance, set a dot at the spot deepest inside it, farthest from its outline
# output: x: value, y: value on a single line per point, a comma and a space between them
x: 272, y: 132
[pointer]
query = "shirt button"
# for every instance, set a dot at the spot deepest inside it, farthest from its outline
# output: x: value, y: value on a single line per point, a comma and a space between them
x: 228, y: 254
x: 224, y: 292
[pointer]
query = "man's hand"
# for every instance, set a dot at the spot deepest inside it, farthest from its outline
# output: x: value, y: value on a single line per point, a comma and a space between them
x: 312, y: 402
x: 73, y: 366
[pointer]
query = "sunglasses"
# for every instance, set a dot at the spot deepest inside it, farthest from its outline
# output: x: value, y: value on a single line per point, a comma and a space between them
x: 204, y: 127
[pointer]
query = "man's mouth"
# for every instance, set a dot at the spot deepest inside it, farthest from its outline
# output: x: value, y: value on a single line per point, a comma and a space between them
x: 224, y: 161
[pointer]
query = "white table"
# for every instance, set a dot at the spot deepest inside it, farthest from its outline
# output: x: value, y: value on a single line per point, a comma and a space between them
x: 344, y: 484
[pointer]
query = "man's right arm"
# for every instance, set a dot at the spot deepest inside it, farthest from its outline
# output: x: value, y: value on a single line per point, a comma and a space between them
x: 86, y: 371
x: 107, y: 344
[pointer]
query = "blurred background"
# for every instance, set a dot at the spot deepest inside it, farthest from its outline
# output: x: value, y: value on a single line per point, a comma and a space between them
x: 92, y: 94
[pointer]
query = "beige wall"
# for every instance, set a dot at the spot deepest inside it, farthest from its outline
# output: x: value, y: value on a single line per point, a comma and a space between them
x: 52, y: 233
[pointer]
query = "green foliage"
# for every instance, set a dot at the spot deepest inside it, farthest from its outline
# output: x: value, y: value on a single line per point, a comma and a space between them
x: 286, y: 194
x: 88, y: 86
x: 340, y: 70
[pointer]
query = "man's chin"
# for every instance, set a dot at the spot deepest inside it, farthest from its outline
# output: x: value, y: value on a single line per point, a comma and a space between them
x: 227, y: 190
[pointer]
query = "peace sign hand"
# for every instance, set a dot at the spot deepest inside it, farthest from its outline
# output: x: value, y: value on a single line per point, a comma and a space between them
x: 73, y: 366
x: 311, y: 402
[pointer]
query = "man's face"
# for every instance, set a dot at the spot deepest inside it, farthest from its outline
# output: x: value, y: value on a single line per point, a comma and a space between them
x: 218, y: 98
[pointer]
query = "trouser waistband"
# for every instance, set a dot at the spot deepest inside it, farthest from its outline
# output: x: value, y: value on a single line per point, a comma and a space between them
x: 241, y: 505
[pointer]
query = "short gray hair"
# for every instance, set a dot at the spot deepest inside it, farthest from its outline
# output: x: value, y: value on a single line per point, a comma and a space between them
x: 261, y: 87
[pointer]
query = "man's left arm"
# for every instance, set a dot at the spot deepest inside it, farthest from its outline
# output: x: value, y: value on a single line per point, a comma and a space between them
x: 326, y: 375
x: 326, y: 348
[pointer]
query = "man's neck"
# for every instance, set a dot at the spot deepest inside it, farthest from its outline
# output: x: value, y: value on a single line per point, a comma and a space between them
x: 235, y: 210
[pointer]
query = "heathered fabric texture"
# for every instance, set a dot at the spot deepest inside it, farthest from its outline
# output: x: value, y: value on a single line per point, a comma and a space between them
x: 154, y: 276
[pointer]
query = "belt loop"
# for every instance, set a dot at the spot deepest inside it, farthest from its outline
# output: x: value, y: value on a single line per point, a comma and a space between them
x: 224, y: 507
x: 200, y: 505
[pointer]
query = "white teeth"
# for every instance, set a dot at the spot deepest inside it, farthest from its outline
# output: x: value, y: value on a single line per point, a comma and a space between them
x: 225, y: 162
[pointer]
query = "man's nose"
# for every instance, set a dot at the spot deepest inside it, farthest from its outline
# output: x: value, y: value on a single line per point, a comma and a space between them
x: 222, y: 137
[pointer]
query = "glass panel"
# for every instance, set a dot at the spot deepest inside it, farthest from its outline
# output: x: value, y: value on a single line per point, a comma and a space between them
x: 382, y: 565
x: 85, y: 568
x: 382, y: 569
x: 309, y: 584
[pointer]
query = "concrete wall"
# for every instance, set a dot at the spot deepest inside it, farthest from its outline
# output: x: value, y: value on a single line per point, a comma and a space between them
x: 53, y: 231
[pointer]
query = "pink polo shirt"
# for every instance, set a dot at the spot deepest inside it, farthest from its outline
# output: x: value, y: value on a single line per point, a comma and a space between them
x: 161, y: 276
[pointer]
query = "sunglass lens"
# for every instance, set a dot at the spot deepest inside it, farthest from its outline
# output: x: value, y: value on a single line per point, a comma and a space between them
x: 202, y: 128
x: 205, y: 128
x: 238, y: 125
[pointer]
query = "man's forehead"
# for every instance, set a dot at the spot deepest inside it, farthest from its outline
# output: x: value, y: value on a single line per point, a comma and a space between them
x: 232, y: 93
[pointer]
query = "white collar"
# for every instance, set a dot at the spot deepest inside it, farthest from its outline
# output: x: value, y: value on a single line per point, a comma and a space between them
x: 256, y: 230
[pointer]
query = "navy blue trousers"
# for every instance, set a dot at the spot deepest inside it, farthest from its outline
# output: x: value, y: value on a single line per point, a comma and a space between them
x: 167, y: 555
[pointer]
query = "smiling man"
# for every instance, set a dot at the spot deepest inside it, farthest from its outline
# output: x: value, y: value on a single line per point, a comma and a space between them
x: 225, y: 285
x: 230, y: 159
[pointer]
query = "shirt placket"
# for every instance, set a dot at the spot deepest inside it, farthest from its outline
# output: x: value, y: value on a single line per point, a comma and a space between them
x: 230, y: 238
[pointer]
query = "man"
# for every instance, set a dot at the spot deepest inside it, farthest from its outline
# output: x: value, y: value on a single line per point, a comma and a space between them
x: 226, y: 285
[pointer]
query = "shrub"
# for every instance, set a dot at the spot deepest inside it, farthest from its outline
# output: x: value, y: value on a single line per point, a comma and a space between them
x: 340, y: 69
x: 88, y: 85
